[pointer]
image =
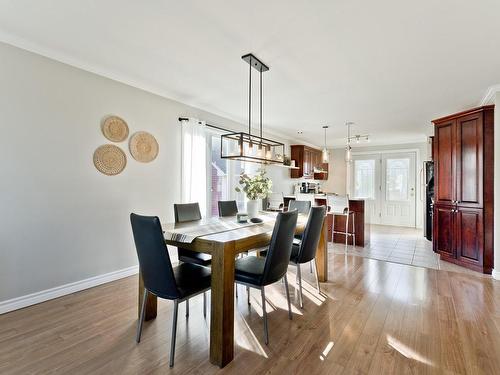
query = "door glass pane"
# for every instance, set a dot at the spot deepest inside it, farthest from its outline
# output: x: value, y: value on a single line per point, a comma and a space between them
x: 397, y: 172
x: 364, y: 179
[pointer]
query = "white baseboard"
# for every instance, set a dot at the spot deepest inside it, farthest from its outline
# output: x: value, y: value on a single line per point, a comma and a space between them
x: 495, y: 274
x: 59, y: 291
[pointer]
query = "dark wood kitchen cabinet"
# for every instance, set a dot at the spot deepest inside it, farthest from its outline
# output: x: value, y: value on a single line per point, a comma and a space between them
x: 444, y: 226
x: 308, y: 160
x: 469, y: 225
x: 463, y: 207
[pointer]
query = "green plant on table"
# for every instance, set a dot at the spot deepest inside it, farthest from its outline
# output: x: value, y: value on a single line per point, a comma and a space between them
x: 256, y: 187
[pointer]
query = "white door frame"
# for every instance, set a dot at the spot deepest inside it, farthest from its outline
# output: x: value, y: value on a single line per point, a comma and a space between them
x: 389, y: 151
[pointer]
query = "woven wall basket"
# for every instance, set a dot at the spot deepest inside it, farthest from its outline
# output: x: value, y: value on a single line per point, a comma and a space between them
x: 143, y: 147
x: 115, y: 129
x: 110, y: 159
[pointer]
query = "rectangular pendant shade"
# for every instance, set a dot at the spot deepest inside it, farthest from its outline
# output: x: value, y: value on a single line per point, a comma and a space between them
x: 247, y: 147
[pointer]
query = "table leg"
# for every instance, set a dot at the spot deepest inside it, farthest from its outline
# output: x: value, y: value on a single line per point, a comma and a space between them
x: 151, y: 303
x: 222, y: 306
x: 322, y: 253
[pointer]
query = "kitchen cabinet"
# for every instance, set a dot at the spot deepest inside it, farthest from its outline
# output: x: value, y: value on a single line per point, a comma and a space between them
x: 469, y: 225
x: 444, y: 226
x: 308, y: 160
x: 463, y: 208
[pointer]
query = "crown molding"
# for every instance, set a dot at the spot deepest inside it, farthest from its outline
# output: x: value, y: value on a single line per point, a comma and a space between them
x: 489, y: 97
x: 64, y: 58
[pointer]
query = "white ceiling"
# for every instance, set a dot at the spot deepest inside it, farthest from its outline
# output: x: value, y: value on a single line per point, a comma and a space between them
x: 390, y: 66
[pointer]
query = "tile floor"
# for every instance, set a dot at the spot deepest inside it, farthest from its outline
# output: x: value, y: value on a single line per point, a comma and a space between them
x: 397, y: 245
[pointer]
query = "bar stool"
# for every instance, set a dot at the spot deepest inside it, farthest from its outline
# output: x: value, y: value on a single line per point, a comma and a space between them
x: 275, y: 202
x: 339, y: 206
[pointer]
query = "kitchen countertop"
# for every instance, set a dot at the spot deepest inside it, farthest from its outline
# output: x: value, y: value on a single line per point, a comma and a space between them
x: 317, y: 196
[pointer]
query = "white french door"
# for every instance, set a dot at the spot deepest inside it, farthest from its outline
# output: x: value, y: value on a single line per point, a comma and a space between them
x: 397, y: 196
x: 387, y: 183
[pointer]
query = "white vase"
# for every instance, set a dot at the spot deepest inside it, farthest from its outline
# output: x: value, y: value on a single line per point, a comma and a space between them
x: 253, y: 206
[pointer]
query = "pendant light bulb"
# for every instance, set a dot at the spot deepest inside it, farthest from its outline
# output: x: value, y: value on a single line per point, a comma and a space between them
x: 324, y: 153
x: 268, y: 153
x: 348, y: 154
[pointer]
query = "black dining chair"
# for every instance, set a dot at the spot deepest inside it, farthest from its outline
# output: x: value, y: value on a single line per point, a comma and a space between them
x: 227, y: 208
x: 185, y: 212
x: 305, y: 250
x: 302, y: 206
x: 257, y: 272
x: 161, y: 279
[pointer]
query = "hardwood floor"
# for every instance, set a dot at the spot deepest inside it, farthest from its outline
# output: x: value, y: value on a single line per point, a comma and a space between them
x: 375, y: 317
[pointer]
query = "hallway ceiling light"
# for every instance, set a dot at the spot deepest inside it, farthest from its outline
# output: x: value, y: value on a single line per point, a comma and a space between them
x: 357, y: 138
x: 348, y: 153
x: 246, y: 146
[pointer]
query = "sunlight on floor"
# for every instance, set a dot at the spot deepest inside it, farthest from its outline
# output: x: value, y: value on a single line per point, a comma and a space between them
x: 407, y: 351
x: 326, y: 350
x: 251, y: 343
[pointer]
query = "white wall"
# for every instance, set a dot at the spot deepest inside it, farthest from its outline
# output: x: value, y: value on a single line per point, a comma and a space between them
x: 62, y: 220
x: 337, y: 176
x: 496, y: 267
x: 337, y: 170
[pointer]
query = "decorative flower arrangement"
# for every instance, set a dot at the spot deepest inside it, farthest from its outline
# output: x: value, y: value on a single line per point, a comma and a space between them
x: 257, y: 187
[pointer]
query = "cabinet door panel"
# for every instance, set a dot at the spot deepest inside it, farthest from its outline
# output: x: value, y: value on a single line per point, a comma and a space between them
x: 443, y: 230
x: 469, y: 223
x: 445, y: 163
x: 469, y: 160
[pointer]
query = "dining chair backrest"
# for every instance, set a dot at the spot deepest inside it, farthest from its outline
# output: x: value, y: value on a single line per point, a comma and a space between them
x: 302, y: 206
x: 339, y: 204
x: 227, y: 208
x: 311, y: 235
x: 275, y: 201
x: 187, y: 212
x: 154, y: 261
x: 280, y: 248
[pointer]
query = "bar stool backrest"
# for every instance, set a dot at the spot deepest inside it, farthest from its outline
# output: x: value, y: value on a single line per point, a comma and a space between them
x: 275, y: 201
x: 339, y: 204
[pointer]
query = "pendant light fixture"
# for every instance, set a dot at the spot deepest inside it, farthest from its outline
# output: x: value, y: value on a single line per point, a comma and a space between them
x: 246, y: 146
x: 324, y: 153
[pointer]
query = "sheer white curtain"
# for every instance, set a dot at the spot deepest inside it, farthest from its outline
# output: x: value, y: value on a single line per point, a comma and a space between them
x: 194, y: 165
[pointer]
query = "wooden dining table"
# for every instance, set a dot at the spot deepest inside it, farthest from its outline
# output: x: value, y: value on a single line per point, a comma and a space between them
x: 224, y: 238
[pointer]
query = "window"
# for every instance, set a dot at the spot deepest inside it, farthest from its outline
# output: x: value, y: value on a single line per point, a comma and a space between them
x: 364, y: 179
x: 219, y: 179
x: 223, y: 176
x: 397, y: 174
